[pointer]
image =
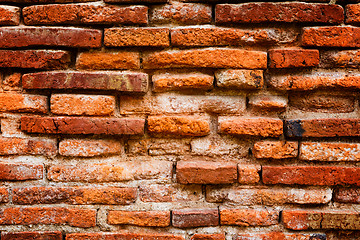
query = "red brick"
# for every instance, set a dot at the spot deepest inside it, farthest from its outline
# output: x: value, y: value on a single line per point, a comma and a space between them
x: 263, y: 127
x: 206, y: 58
x: 202, y: 172
x: 45, y: 36
x: 4, y: 195
x: 143, y: 218
x: 112, y: 60
x: 347, y: 195
x: 122, y: 171
x: 141, y: 37
x: 240, y: 79
x: 31, y: 236
x: 325, y: 219
x: 275, y: 149
x: 293, y: 58
x: 20, y: 171
x: 248, y: 174
x: 248, y: 217
x: 281, y: 236
x: 89, y: 148
x: 71, y: 104
x: 122, y: 236
x: 82, y: 125
x: 135, y: 1
x: 48, y: 1
x: 55, y: 14
x: 170, y: 193
x: 25, y: 146
x: 268, y: 102
x: 181, y: 13
x: 341, y: 59
x: 329, y: 151
x: 311, y: 175
x: 48, y: 215
x: 330, y: 127
x: 38, y: 59
x: 279, y: 12
x: 195, y: 218
x: 218, y: 36
x: 119, y: 81
x: 208, y: 237
x: 74, y: 195
x: 12, y: 82
x: 9, y: 15
x: 352, y: 13
x: 337, y: 36
x: 157, y: 147
x: 178, y: 125
x: 15, y: 102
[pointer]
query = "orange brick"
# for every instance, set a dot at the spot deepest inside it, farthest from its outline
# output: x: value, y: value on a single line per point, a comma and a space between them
x: 240, y: 79
x: 248, y: 174
x: 99, y: 60
x: 4, y: 195
x: 248, y: 217
x: 24, y: 146
x: 9, y: 15
x: 89, y: 148
x: 12, y: 82
x: 20, y: 171
x: 293, y: 58
x: 275, y: 149
x: 32, y: 235
x: 144, y: 219
x: 330, y: 151
x: 352, y: 13
x: 123, y: 236
x: 15, y: 102
x: 170, y: 193
x: 208, y: 237
x: 268, y: 102
x: 281, y: 236
x: 188, y: 218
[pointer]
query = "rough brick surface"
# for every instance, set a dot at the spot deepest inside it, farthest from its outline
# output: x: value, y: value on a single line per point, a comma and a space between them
x: 208, y: 237
x: 248, y: 217
x: 9, y: 15
x: 328, y: 151
x: 268, y: 102
x: 104, y: 61
x: 347, y: 195
x: 145, y: 219
x: 20, y: 171
x: 21, y: 146
x: 14, y: 102
x: 342, y: 59
x: 275, y: 149
x: 4, y: 195
x: 195, y: 218
x: 55, y: 235
x: 125, y: 236
x: 169, y: 193
x: 280, y: 235
x: 240, y: 79
x: 293, y: 58
x: 89, y: 148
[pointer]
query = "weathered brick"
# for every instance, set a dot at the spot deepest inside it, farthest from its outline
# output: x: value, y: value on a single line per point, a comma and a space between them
x: 275, y: 149
x: 20, y: 171
x: 337, y: 36
x: 48, y: 1
x: 208, y: 237
x: 178, y: 126
x: 9, y: 15
x: 89, y: 148
x: 74, y: 195
x: 281, y: 236
x: 330, y: 127
x: 122, y: 236
x: 279, y: 12
x: 135, y: 1
x: 170, y: 193
x: 352, y: 13
x: 181, y: 13
x: 342, y: 59
x: 347, y: 195
x: 12, y: 82
x: 240, y: 79
x: 264, y: 127
x: 38, y: 59
x: 268, y: 102
x: 11, y: 37
x: 71, y: 104
x: 248, y: 217
x: 140, y: 37
x: 189, y: 218
x: 325, y: 219
x: 219, y: 36
x: 4, y: 195
x: 25, y: 146
x: 206, y: 58
x: 202, y: 172
x: 10, y: 127
x: 119, y: 81
x: 142, y: 218
x: 248, y: 174
x: 55, y: 235
x: 185, y: 81
x: 82, y: 125
x: 54, y: 14
x: 293, y: 58
x: 269, y: 196
x: 311, y: 175
x: 48, y: 215
x: 15, y: 102
x: 111, y: 60
x: 329, y: 151
x: 156, y: 147
x: 122, y: 171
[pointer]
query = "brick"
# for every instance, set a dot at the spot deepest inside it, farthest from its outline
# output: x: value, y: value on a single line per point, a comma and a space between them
x: 9, y: 15
x: 329, y: 151
x: 352, y: 13
x: 4, y: 195
x: 202, y: 172
x: 208, y: 237
x: 11, y: 37
x: 38, y: 59
x: 185, y: 81
x: 268, y: 102
x: 337, y: 36
x: 181, y: 13
x: 74, y: 195
x: 341, y: 59
x: 279, y: 12
x: 170, y: 193
x: 24, y: 146
x: 71, y: 104
x: 83, y: 218
x: 311, y: 175
x: 293, y: 58
x: 55, y: 235
x: 12, y: 82
x: 56, y: 14
x: 304, y: 220
x: 157, y: 147
x: 10, y: 127
x: 262, y: 127
x: 240, y: 79
x: 347, y: 195
x: 20, y: 171
x: 219, y: 36
x: 119, y: 81
x: 89, y: 148
x: 15, y: 102
x: 82, y: 125
x: 189, y: 218
x: 206, y: 58
x: 135, y: 1
x: 143, y: 218
x: 122, y: 236
x: 178, y: 125
x: 122, y: 171
x: 330, y: 127
x: 248, y: 174
x: 102, y: 60
x: 248, y: 217
x: 275, y: 149
x: 137, y: 37
x: 281, y: 236
x: 34, y: 2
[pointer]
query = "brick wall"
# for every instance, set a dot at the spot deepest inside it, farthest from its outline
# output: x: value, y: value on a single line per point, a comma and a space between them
x: 180, y: 120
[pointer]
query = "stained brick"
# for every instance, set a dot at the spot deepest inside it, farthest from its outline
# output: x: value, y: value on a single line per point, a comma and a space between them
x: 275, y: 149
x: 329, y: 151
x: 248, y: 174
x: 25, y: 146
x: 9, y: 15
x: 248, y: 217
x: 20, y: 171
x: 55, y: 235
x: 208, y: 237
x: 110, y: 60
x: 140, y: 218
x: 170, y: 193
x: 123, y: 236
x: 281, y: 235
x: 240, y: 79
x: 293, y: 58
x: 4, y: 195
x: 89, y: 148
x: 268, y: 102
x: 15, y: 102
x: 347, y: 195
x: 195, y: 218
